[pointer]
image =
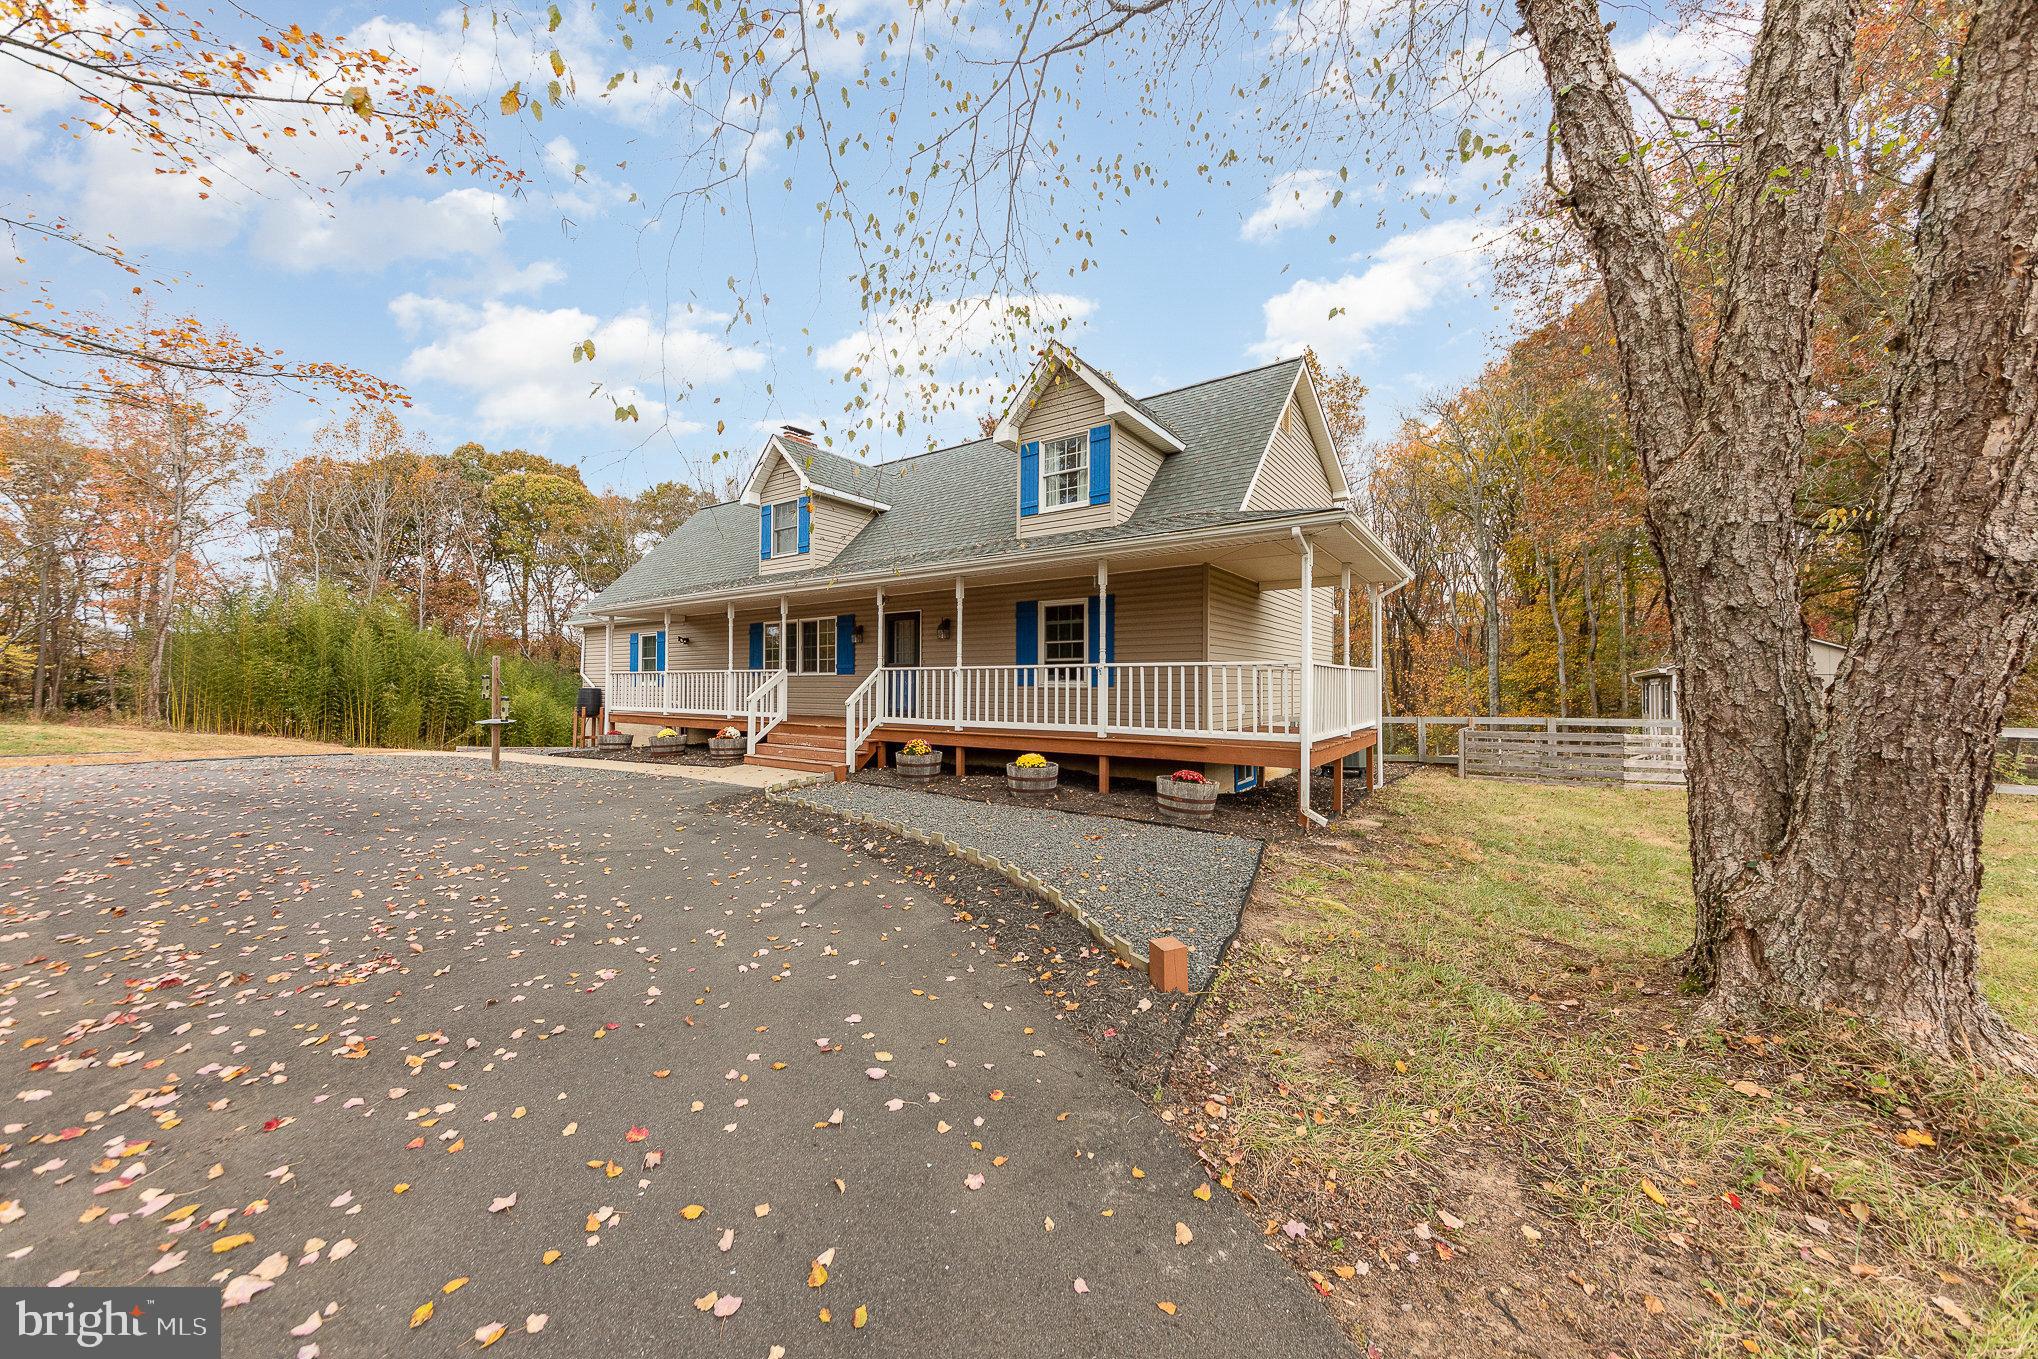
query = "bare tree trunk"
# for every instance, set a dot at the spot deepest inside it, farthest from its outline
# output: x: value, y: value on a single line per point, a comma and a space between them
x: 1835, y: 842
x: 1489, y: 586
x: 1557, y: 628
x: 1591, y: 637
x: 42, y: 630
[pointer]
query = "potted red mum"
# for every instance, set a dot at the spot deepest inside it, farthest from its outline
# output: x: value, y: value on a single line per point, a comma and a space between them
x: 1186, y: 793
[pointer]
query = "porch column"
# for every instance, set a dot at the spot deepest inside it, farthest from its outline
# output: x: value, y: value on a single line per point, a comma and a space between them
x: 1101, y: 690
x: 665, y: 685
x: 1378, y: 760
x: 785, y: 651
x: 1344, y: 648
x: 608, y: 658
x: 729, y: 670
x: 957, y: 686
x: 1308, y: 718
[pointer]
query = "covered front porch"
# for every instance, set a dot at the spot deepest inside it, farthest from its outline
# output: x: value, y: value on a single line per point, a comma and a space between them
x: 1198, y: 653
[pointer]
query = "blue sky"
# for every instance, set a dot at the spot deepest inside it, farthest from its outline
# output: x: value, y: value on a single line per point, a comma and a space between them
x: 473, y: 296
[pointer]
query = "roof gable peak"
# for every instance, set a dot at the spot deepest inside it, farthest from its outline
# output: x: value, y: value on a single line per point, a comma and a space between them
x: 1118, y: 403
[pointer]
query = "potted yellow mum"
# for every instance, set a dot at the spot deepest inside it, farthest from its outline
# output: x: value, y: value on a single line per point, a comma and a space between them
x: 1035, y: 774
x: 667, y: 742
x: 918, y: 760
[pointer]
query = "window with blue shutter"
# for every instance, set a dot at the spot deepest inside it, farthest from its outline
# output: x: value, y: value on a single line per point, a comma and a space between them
x: 757, y: 646
x: 845, y: 643
x: 1026, y: 638
x: 764, y: 539
x: 1100, y: 464
x: 1029, y: 478
x: 806, y: 521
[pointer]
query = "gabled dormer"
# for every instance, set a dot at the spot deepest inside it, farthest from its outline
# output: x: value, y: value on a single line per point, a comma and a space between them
x: 1085, y: 450
x: 810, y: 503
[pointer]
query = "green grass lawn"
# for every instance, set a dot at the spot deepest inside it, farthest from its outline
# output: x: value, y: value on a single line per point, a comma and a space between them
x: 1471, y: 1005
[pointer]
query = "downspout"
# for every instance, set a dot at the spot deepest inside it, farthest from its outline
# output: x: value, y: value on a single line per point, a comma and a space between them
x: 1310, y: 816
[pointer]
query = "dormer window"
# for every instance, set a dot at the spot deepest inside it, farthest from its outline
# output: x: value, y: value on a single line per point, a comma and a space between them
x: 785, y: 527
x: 1065, y: 471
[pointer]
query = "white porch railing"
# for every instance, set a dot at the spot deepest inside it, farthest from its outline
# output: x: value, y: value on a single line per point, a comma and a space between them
x: 1205, y: 699
x: 765, y: 707
x: 705, y: 693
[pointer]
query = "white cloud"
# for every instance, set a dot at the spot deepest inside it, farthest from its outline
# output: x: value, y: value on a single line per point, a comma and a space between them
x: 1294, y: 199
x: 1339, y: 317
x: 932, y: 338
x: 362, y: 233
x: 515, y: 361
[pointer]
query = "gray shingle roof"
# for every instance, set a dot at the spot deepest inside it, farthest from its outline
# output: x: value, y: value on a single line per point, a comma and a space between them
x: 956, y: 504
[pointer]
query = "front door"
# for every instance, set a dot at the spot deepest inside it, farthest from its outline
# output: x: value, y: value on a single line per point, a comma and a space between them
x: 902, y: 648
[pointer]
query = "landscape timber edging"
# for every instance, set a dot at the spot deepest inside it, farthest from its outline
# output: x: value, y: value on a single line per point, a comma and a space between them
x: 1120, y: 947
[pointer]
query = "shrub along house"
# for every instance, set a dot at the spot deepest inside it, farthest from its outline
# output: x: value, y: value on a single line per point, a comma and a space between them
x: 1128, y: 585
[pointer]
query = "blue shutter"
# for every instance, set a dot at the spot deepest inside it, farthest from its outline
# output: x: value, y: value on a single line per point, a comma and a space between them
x: 757, y: 646
x: 806, y: 520
x: 845, y: 643
x: 1094, y: 616
x: 661, y: 649
x: 1026, y: 638
x: 634, y: 648
x: 764, y: 540
x: 1100, y: 464
x: 1029, y: 478
x: 1111, y: 638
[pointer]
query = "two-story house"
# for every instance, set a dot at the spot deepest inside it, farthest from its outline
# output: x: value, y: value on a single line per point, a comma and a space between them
x: 1127, y: 584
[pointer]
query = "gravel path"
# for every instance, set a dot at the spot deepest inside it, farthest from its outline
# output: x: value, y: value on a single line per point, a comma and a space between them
x: 1139, y: 881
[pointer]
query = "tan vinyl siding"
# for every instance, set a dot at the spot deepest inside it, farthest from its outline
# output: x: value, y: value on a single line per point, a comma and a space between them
x: 1134, y: 465
x: 1291, y: 474
x: 1246, y: 623
x: 1160, y: 615
x: 831, y: 525
x: 1067, y: 406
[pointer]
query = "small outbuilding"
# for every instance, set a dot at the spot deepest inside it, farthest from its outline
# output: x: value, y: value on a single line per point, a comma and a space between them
x: 1662, y: 686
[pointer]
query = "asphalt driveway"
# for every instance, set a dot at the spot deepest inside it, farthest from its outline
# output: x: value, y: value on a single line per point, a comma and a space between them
x: 573, y: 1053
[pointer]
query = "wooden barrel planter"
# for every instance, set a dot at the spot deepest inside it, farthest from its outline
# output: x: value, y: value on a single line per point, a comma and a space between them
x: 727, y: 749
x: 667, y: 745
x: 1179, y: 797
x: 1035, y: 782
x: 615, y: 740
x: 917, y: 766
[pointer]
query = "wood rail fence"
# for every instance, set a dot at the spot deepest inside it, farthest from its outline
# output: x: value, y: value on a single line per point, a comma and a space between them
x: 1605, y: 750
x: 1573, y: 756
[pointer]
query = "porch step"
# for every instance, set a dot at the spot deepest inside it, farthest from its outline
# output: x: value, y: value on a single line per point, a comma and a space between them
x: 810, y: 745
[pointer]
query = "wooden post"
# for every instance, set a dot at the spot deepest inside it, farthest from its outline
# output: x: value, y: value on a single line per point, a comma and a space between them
x: 1337, y: 786
x: 958, y: 762
x: 495, y: 712
x: 1103, y: 773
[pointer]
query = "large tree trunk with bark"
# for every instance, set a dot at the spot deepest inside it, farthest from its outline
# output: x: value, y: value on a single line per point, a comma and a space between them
x: 1835, y: 838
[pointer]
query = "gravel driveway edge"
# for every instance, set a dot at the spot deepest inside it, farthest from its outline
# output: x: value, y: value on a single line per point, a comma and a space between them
x: 1120, y: 946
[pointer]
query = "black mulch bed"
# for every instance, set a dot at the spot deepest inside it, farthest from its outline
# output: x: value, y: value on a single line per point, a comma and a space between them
x: 1084, y: 985
x: 692, y: 755
x: 1264, y: 814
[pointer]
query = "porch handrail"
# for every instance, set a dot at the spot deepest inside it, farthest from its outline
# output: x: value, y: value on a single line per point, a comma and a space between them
x: 684, y: 692
x: 764, y: 709
x: 860, y: 714
x: 1206, y: 699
